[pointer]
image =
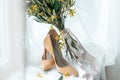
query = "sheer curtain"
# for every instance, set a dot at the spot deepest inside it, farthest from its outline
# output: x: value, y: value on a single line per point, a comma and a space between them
x: 100, y: 20
x: 96, y: 24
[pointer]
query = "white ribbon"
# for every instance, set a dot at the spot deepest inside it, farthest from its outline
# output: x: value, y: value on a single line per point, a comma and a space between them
x: 80, y: 52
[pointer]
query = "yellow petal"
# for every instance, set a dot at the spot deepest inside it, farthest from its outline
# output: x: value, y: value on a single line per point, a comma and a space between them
x: 71, y: 12
x: 39, y: 75
x: 57, y: 38
x: 52, y: 17
x: 66, y: 74
x: 34, y: 7
x: 30, y: 11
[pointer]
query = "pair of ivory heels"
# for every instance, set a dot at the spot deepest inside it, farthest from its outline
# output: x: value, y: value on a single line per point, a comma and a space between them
x: 53, y: 56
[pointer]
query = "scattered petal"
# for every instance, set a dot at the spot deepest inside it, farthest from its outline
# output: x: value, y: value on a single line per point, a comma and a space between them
x: 39, y: 75
x: 66, y: 74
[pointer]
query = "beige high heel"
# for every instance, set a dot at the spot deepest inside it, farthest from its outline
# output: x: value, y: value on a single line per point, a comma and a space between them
x: 62, y: 66
x: 47, y: 60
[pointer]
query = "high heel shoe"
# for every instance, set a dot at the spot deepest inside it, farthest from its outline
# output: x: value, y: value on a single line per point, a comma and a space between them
x: 62, y: 66
x: 47, y: 61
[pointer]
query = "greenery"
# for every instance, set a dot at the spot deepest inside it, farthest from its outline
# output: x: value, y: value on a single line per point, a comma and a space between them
x: 51, y: 11
x: 61, y: 77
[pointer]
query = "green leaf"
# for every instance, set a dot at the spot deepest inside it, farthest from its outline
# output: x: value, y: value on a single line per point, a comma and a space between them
x: 72, y: 4
x: 61, y: 78
x: 37, y: 19
x: 56, y: 5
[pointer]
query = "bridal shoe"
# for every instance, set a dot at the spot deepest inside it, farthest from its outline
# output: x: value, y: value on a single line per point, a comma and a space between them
x: 51, y: 46
x: 47, y: 60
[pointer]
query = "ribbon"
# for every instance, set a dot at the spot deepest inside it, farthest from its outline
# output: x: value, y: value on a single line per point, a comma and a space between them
x: 80, y: 52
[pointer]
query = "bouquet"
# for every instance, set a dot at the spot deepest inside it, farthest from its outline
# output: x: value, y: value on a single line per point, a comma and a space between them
x: 55, y: 12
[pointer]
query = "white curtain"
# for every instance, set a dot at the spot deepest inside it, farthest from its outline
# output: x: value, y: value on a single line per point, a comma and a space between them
x: 96, y: 24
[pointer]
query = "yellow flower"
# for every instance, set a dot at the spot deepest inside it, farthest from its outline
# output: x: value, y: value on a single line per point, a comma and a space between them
x: 39, y: 75
x: 52, y: 17
x: 57, y: 38
x: 66, y: 74
x: 71, y: 12
x: 62, y: 43
x: 34, y: 7
x: 30, y: 11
